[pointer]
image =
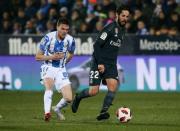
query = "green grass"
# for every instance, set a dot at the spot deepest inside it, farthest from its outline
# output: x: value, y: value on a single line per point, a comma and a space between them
x: 23, y: 111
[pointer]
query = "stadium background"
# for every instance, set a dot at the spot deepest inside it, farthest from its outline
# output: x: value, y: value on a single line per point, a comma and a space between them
x: 150, y: 58
x: 153, y: 33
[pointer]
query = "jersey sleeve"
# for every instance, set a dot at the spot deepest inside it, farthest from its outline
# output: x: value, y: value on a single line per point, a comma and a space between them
x: 43, y: 43
x: 71, y: 47
x: 101, y: 41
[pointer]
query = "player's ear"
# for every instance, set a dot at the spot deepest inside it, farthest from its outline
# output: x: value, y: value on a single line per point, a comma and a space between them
x: 57, y: 28
x: 117, y: 15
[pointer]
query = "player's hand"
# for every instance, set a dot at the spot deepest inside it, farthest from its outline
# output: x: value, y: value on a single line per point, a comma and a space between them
x: 58, y: 56
x: 101, y: 68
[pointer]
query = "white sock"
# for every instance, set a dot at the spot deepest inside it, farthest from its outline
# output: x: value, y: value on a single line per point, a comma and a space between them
x: 47, y: 100
x: 62, y: 103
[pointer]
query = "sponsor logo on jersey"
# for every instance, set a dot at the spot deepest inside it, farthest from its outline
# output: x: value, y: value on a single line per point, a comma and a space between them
x: 117, y: 43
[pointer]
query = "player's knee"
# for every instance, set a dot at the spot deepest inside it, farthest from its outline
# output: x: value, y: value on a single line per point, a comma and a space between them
x: 112, y: 89
x: 93, y: 92
x: 68, y: 99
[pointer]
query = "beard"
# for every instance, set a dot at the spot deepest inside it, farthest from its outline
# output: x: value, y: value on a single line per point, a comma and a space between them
x: 122, y: 23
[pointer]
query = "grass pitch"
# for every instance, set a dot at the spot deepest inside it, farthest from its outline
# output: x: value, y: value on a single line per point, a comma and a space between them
x: 23, y: 111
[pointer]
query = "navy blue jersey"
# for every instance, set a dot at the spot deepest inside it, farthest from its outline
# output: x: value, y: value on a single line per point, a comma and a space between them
x: 107, y: 44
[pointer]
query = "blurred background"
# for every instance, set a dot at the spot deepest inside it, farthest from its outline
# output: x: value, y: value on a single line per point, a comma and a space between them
x: 148, y: 17
x: 149, y: 57
x: 148, y: 64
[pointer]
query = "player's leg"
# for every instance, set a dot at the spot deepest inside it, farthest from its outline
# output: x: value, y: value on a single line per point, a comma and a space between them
x: 47, y: 77
x: 67, y: 96
x: 92, y: 91
x: 63, y: 85
x: 112, y: 86
x: 111, y: 77
x: 65, y: 100
x: 94, y: 82
x: 48, y: 83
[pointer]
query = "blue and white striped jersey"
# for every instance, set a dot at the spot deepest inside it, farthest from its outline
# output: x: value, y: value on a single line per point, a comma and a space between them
x: 50, y: 44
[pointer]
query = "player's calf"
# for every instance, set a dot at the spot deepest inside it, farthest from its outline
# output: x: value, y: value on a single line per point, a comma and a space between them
x: 75, y: 104
x: 78, y: 98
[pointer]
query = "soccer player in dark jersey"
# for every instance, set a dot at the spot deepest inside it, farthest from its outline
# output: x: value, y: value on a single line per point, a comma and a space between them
x: 104, y: 60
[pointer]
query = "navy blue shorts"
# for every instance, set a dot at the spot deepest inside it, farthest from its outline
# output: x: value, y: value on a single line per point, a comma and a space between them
x: 95, y: 77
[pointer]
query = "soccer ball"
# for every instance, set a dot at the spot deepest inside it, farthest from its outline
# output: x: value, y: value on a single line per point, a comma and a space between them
x: 123, y: 114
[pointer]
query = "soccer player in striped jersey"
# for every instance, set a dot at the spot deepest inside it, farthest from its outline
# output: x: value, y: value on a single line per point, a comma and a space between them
x: 55, y: 51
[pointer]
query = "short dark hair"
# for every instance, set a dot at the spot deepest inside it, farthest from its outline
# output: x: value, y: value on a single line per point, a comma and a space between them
x: 62, y: 21
x: 121, y: 8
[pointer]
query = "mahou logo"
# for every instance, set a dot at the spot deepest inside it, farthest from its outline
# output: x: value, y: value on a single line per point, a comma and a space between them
x: 17, y: 47
x: 84, y: 48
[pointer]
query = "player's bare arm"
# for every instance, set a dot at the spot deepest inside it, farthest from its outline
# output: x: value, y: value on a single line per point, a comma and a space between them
x: 69, y: 57
x: 56, y: 56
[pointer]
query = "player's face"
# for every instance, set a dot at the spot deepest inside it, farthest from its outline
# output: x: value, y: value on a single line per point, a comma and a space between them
x: 62, y: 29
x: 123, y: 17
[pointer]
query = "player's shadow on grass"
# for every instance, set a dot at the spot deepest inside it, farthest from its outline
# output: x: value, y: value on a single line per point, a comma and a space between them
x: 10, y: 127
x: 154, y: 124
x: 90, y: 121
x: 108, y: 122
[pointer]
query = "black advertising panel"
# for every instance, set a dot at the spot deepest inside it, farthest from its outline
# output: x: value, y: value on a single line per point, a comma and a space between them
x: 163, y: 45
x: 132, y: 45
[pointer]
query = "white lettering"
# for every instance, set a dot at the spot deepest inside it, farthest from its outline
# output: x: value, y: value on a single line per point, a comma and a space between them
x: 16, y: 47
x: 159, y: 45
x: 29, y: 47
x: 164, y: 83
x: 118, y: 43
x: 85, y: 48
x: 146, y: 74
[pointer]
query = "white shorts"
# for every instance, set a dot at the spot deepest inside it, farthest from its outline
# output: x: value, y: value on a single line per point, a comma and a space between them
x: 59, y: 75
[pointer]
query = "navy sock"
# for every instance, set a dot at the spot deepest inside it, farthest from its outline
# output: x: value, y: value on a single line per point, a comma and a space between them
x: 108, y: 101
x: 84, y: 94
